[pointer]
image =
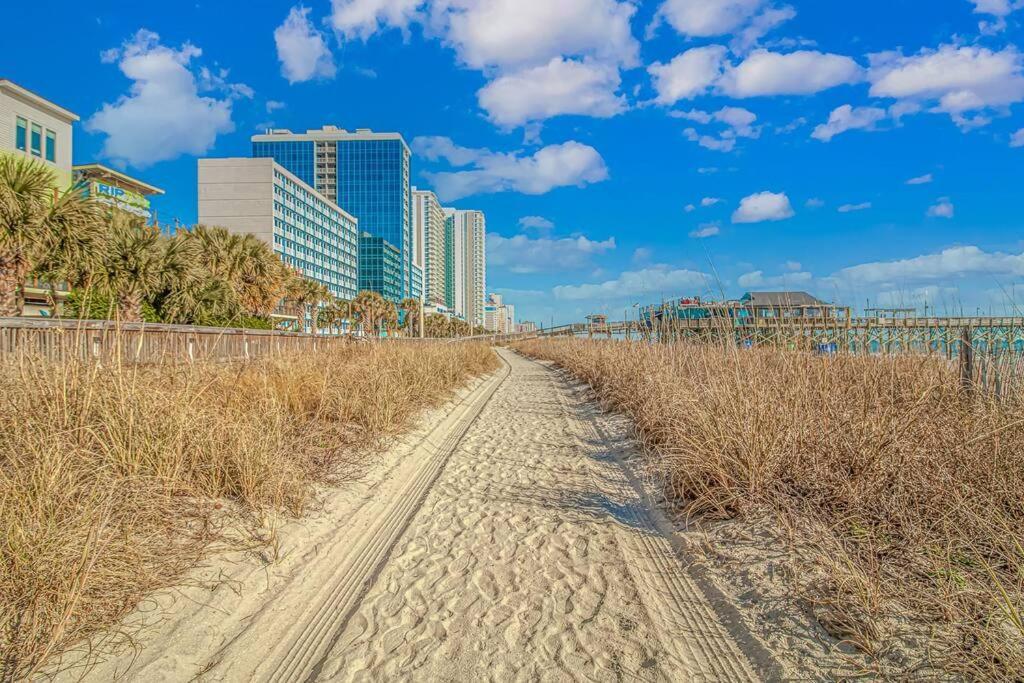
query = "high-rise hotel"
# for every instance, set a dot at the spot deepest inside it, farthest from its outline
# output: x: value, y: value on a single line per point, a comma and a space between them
x: 468, y: 230
x: 367, y: 175
x: 430, y: 240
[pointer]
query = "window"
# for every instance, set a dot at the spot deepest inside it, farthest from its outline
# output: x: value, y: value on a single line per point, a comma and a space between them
x: 37, y: 140
x: 21, y: 136
x: 51, y: 146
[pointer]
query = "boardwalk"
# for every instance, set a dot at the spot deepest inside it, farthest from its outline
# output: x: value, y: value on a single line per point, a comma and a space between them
x: 513, y: 542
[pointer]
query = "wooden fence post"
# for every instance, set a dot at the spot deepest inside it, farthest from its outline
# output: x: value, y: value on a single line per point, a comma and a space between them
x: 966, y: 360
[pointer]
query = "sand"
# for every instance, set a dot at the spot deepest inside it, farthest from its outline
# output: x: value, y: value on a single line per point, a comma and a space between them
x: 507, y: 539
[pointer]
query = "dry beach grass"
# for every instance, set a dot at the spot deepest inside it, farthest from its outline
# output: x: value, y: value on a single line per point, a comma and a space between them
x: 114, y: 481
x: 905, y: 498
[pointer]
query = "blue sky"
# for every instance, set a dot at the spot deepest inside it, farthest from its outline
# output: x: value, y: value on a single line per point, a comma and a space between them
x: 623, y: 151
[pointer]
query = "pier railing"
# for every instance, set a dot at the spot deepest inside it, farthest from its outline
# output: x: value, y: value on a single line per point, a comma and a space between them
x: 988, y: 350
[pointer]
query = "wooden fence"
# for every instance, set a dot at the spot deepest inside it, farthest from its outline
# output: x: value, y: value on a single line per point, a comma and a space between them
x: 108, y: 341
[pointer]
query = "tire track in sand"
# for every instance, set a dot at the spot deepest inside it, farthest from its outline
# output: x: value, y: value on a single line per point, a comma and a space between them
x: 710, y: 643
x: 296, y: 654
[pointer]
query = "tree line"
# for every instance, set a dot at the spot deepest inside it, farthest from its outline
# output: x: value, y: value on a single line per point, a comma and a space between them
x: 118, y: 267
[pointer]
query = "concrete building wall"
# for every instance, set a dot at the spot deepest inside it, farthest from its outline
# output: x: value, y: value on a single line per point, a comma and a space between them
x: 16, y: 101
x: 237, y: 194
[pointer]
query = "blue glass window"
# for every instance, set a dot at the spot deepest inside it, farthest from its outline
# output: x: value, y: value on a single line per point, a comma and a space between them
x: 37, y: 140
x: 51, y: 146
x: 21, y: 135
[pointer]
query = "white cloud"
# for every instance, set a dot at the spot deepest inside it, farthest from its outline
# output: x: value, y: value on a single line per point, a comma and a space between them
x: 921, y: 179
x: 849, y: 208
x: 559, y: 87
x: 163, y: 115
x: 958, y: 80
x: 705, y: 230
x: 757, y: 278
x: 748, y: 20
x: 708, y: 170
x: 792, y: 266
x: 955, y: 262
x: 1017, y: 139
x: 709, y: 201
x: 846, y: 118
x: 1000, y: 9
x: 521, y: 33
x: 690, y: 208
x: 738, y: 121
x: 795, y: 73
x: 760, y: 26
x: 659, y: 281
x: 301, y: 48
x: 363, y: 18
x: 642, y: 255
x: 688, y: 75
x: 793, y: 125
x: 763, y: 206
x: 563, y: 165
x: 814, y: 203
x: 535, y: 223
x: 942, y: 209
x: 709, y: 142
x: 274, y: 105
x: 520, y: 254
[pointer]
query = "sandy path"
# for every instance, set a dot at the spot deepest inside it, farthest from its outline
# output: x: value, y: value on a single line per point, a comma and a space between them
x: 509, y: 542
x: 535, y: 557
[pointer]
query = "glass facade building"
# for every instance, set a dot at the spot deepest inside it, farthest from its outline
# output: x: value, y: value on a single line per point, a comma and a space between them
x: 449, y: 262
x: 366, y: 173
x: 380, y: 267
x: 416, y: 290
x: 297, y: 157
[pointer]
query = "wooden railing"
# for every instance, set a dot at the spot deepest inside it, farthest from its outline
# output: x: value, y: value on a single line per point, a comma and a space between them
x: 106, y: 341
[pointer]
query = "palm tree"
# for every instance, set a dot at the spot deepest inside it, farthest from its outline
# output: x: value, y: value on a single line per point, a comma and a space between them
x: 305, y: 293
x: 245, y: 263
x: 138, y: 263
x: 335, y: 313
x: 39, y: 225
x: 372, y: 310
x: 411, y: 307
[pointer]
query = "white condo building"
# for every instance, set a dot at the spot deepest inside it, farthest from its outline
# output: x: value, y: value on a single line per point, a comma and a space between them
x: 429, y: 239
x: 262, y: 198
x: 470, y: 264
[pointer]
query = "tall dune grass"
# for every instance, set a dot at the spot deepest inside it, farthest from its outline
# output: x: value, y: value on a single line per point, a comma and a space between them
x: 114, y: 480
x: 909, y: 494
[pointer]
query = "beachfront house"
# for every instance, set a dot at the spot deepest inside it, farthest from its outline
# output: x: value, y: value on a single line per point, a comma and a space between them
x: 787, y: 305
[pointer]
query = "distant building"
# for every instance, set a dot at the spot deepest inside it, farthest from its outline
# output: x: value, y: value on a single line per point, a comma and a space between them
x: 499, y: 317
x: 430, y: 236
x: 785, y: 305
x: 449, y: 260
x: 470, y: 230
x: 308, y: 231
x: 366, y: 173
x: 380, y: 267
x: 117, y: 189
x: 526, y: 327
x: 37, y: 128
